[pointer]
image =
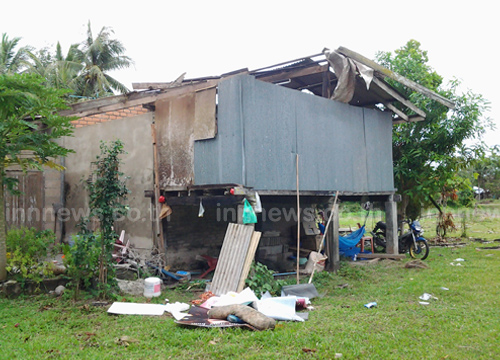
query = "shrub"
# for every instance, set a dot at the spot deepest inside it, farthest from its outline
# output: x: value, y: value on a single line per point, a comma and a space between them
x: 27, y: 252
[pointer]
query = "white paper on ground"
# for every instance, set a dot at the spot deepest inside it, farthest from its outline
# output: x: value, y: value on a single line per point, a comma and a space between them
x: 124, y: 308
x: 427, y: 296
x: 278, y: 308
x: 176, y: 309
x: 246, y: 296
x: 423, y: 303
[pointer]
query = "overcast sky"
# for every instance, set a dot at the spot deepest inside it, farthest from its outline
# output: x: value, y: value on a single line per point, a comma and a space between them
x: 202, y: 38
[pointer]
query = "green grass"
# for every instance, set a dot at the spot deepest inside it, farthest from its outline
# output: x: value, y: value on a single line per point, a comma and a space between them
x: 464, y: 323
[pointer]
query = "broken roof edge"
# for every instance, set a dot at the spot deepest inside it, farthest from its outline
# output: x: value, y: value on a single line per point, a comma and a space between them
x: 180, y: 86
x: 395, y: 76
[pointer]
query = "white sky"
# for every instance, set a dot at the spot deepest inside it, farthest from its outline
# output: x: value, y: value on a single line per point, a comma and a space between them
x: 166, y: 38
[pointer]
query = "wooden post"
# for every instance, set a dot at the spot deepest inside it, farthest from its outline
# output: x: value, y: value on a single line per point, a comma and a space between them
x: 391, y: 219
x: 159, y: 241
x: 298, y: 218
x: 335, y: 242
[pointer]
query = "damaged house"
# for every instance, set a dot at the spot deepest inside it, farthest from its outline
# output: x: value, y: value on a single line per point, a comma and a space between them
x: 322, y: 122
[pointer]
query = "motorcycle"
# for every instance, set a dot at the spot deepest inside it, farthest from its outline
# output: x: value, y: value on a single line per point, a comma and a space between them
x: 410, y: 241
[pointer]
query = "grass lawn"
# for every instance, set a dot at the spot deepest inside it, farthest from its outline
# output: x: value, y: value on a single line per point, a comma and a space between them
x: 463, y: 323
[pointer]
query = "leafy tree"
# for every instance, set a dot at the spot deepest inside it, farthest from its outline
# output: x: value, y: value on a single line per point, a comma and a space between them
x: 12, y: 60
x: 425, y: 153
x: 99, y: 56
x: 29, y: 126
x: 106, y: 192
x: 485, y: 171
x: 59, y: 71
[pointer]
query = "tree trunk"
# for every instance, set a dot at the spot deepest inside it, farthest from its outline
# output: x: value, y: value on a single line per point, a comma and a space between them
x: 3, y: 234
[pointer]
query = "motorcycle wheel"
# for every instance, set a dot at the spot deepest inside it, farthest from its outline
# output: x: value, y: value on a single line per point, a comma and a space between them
x: 421, y: 251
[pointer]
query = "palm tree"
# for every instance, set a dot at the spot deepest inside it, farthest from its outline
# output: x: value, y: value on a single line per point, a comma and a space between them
x: 99, y: 56
x: 12, y: 61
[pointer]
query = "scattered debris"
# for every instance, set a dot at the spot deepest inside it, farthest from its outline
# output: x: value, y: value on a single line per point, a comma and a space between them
x: 459, y: 259
x: 342, y: 286
x: 203, y: 297
x: 59, y: 290
x: 423, y: 303
x: 416, y: 264
x: 306, y: 350
x: 124, y: 308
x: 249, y: 315
x: 125, y: 340
x: 338, y: 355
x: 370, y: 305
x: 443, y: 288
x: 301, y: 290
x: 176, y: 309
x: 427, y: 296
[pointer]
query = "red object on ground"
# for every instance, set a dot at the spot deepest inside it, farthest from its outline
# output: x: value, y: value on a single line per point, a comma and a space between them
x: 212, y: 263
x: 161, y: 199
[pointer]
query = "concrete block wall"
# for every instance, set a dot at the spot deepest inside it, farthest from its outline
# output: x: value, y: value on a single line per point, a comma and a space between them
x: 189, y: 235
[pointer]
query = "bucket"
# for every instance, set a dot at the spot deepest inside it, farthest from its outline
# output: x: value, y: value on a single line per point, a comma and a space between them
x: 152, y: 287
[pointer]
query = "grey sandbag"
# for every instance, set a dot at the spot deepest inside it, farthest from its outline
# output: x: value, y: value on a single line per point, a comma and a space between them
x: 245, y: 313
x: 301, y: 290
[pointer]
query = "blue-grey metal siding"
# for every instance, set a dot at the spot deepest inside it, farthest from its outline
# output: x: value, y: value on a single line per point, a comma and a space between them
x: 262, y: 126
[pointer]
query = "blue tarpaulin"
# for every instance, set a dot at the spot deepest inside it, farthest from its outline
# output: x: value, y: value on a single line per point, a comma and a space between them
x: 347, y: 244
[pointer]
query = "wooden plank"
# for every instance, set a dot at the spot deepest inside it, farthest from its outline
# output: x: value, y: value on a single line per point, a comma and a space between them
x: 254, y: 243
x: 159, y: 241
x: 25, y: 209
x: 162, y: 85
x: 398, y: 97
x: 112, y: 103
x: 386, y: 72
x: 290, y: 74
x: 398, y: 112
x: 381, y: 256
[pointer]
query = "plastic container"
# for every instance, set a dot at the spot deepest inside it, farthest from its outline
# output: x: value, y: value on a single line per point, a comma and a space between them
x: 152, y: 287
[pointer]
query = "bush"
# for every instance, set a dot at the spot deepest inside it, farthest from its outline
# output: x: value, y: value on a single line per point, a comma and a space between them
x: 27, y: 252
x: 82, y: 260
x: 261, y: 279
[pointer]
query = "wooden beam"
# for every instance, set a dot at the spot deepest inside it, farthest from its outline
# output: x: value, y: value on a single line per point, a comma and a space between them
x: 410, y: 119
x: 386, y: 72
x: 162, y: 85
x: 381, y: 256
x: 133, y: 99
x: 293, y: 74
x: 398, y: 97
x: 158, y: 240
x: 398, y: 112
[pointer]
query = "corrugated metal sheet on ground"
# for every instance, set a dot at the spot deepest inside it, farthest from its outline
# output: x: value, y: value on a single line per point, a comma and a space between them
x: 239, y: 245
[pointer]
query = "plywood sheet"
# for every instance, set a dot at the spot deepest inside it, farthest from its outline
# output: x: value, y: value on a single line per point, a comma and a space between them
x: 205, y: 125
x: 174, y: 120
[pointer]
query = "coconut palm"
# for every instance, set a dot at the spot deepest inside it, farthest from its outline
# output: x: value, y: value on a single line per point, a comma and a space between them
x: 99, y: 56
x: 12, y: 60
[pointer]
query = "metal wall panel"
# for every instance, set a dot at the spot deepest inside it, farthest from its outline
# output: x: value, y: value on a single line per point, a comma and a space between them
x: 262, y: 126
x: 379, y: 150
